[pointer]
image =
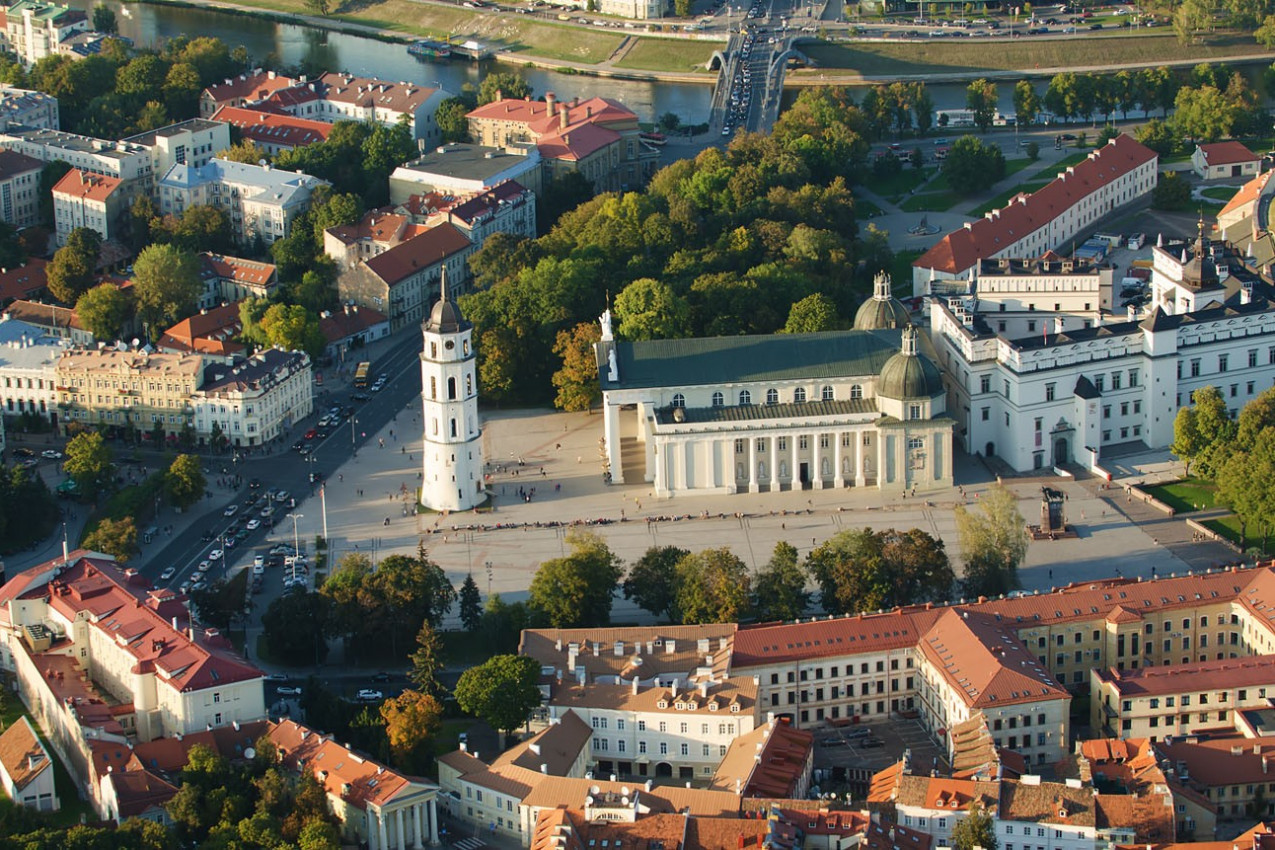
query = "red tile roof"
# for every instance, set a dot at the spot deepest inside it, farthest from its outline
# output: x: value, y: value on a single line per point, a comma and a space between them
x: 237, y: 269
x: 1227, y: 153
x: 207, y: 332
x: 1246, y: 194
x: 343, y: 773
x: 590, y: 125
x: 91, y: 187
x: 770, y: 761
x: 249, y: 87
x: 777, y: 644
x: 428, y: 249
x: 23, y: 756
x: 24, y: 281
x: 138, y: 791
x: 1226, y: 673
x: 988, y: 236
x: 340, y: 324
x: 270, y: 127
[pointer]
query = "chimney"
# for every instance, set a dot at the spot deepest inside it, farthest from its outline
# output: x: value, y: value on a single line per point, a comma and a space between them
x: 550, y: 98
x: 544, y: 768
x: 534, y: 747
x: 1132, y: 312
x: 635, y: 685
x: 499, y: 95
x: 619, y: 647
x: 703, y: 689
x: 1246, y: 293
x: 1058, y: 324
x: 562, y: 115
x: 673, y: 687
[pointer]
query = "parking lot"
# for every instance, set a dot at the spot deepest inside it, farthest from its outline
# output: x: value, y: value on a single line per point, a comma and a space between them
x: 870, y: 747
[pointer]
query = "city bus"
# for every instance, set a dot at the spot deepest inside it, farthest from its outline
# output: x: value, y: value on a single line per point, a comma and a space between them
x: 360, y: 375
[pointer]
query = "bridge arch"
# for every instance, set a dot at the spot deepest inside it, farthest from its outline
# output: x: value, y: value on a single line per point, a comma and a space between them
x: 717, y: 61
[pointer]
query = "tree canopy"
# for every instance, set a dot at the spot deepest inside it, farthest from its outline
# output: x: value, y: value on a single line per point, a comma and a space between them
x: 993, y: 543
x: 503, y: 690
x: 865, y: 570
x: 576, y: 590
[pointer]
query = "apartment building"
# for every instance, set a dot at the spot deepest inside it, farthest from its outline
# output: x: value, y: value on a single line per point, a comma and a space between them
x: 374, y: 234
x: 505, y: 208
x: 36, y: 29
x: 597, y: 138
x: 28, y: 108
x: 27, y: 361
x: 1112, y: 177
x: 1233, y: 772
x: 19, y: 189
x: 254, y: 400
x: 351, y: 327
x: 463, y: 168
x: 129, y: 164
x: 52, y: 320
x: 193, y: 143
x: 212, y: 332
x: 774, y: 761
x: 405, y: 280
x: 377, y: 806
x: 248, y: 88
x: 273, y: 132
x: 128, y: 389
x: 338, y: 96
x: 26, y: 771
x: 261, y: 202
x: 234, y: 279
x: 88, y: 200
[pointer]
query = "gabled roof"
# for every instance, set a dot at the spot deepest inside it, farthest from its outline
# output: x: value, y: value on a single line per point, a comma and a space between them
x: 1227, y: 153
x: 269, y: 127
x: 342, y: 324
x: 421, y: 252
x: 207, y: 332
x: 13, y: 163
x: 257, y: 85
x: 250, y: 272
x: 23, y: 756
x: 556, y: 747
x: 24, y: 281
x: 770, y: 761
x: 1246, y: 194
x: 139, y: 791
x: 86, y: 186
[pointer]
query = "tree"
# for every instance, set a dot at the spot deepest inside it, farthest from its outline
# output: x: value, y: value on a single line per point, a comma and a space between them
x: 981, y: 99
x: 71, y: 271
x: 576, y: 590
x: 503, y: 84
x: 293, y: 328
x: 411, y: 719
x: 713, y: 586
x: 142, y: 77
x: 427, y: 660
x: 246, y: 151
x: 1255, y: 417
x: 317, y: 7
x: 166, y: 285
x: 865, y: 570
x: 1203, y: 114
x: 1265, y: 34
x: 89, y: 461
x: 471, y: 607
x: 972, y: 166
x: 338, y: 209
x: 28, y: 510
x: 993, y: 543
x: 577, y: 380
x: 1026, y: 103
x: 975, y: 830
x: 117, y: 538
x: 1191, y: 18
x: 294, y: 627
x: 812, y: 314
x: 1158, y: 135
x: 103, y: 311
x: 650, y: 309
x: 1188, y: 441
x: 452, y: 119
x: 501, y: 625
x: 652, y: 580
x: 503, y: 690
x: 1215, y: 424
x: 181, y: 90
x: 104, y: 19
x: 781, y: 586
x: 184, y: 482
x: 222, y: 601
x: 1171, y: 192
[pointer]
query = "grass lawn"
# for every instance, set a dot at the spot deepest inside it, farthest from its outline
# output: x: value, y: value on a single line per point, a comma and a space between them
x: 1013, y: 166
x: 461, y: 648
x: 664, y: 54
x: 865, y: 209
x: 448, y: 740
x: 896, y: 186
x: 901, y: 272
x: 1229, y: 527
x: 1219, y: 193
x: 1184, y: 495
x: 1003, y: 198
x: 930, y: 202
x: 893, y: 59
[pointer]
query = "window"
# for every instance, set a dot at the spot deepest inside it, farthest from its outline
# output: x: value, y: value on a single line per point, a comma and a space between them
x: 985, y: 382
x: 745, y: 398
x: 1049, y: 391
x: 679, y: 400
x: 799, y: 395
x: 718, y: 399
x: 914, y: 411
x: 856, y: 392
x: 1223, y: 360
x: 1100, y: 382
x: 827, y: 395
x: 1195, y: 367
x: 986, y: 413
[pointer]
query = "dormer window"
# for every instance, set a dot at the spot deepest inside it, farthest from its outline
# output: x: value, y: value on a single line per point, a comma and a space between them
x: 662, y: 704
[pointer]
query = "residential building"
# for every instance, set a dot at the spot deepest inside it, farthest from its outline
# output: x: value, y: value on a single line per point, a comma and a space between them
x: 1141, y: 796
x: 88, y: 200
x: 378, y: 806
x: 19, y: 189
x: 128, y: 389
x: 234, y: 279
x: 375, y: 233
x: 344, y: 97
x: 130, y: 164
x: 36, y: 29
x: 193, y: 143
x: 402, y: 281
x: 248, y: 88
x: 350, y: 328
x: 773, y: 761
x: 26, y: 771
x: 24, y: 282
x: 505, y: 208
x: 1231, y: 771
x: 28, y: 108
x: 135, y: 794
x: 274, y: 132
x: 252, y: 401
x: 212, y: 332
x: 597, y: 138
x: 1112, y: 177
x: 1051, y: 398
x: 53, y: 320
x: 1225, y: 160
x: 261, y: 202
x: 463, y: 168
x: 27, y: 374
x: 738, y: 414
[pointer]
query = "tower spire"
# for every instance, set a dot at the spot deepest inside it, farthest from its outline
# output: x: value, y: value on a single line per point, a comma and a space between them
x: 442, y: 285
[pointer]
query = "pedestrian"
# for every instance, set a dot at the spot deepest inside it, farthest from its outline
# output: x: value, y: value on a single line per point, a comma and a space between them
x: 340, y: 477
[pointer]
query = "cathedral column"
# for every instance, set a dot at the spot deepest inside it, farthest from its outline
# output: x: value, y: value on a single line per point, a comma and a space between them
x: 838, y: 478
x: 880, y: 459
x: 611, y: 417
x: 859, y: 478
x: 402, y: 829
x: 418, y: 838
x: 433, y: 820
x: 382, y: 841
x: 753, y: 487
x: 793, y: 477
x: 816, y: 474
x: 774, y: 464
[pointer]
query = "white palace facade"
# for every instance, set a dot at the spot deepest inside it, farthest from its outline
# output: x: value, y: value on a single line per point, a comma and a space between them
x: 1080, y: 386
x: 863, y: 407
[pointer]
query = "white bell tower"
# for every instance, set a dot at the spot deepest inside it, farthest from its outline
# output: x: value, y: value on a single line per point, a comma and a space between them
x: 453, y: 457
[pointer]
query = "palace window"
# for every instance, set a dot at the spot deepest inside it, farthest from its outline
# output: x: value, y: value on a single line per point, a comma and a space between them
x: 718, y: 399
x: 745, y: 398
x: 679, y: 400
x: 856, y: 392
x: 827, y: 394
x: 772, y: 396
x: 799, y: 395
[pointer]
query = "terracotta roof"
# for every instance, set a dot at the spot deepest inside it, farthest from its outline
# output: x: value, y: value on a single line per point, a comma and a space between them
x: 375, y: 226
x: 1222, y: 759
x: 340, y: 324
x: 485, y: 204
x: 1227, y: 153
x: 1260, y: 837
x: 721, y: 698
x: 1149, y: 816
x: 343, y: 773
x: 44, y: 315
x: 552, y: 791
x: 24, y: 281
x: 1246, y: 194
x: 23, y: 756
x: 936, y: 792
x: 985, y: 663
x: 270, y: 127
x: 249, y: 87
x: 371, y: 92
x: 556, y: 747
x: 207, y: 332
x: 237, y: 269
x: 1226, y: 673
x: 885, y: 784
x: 623, y: 652
x: 590, y: 125
x: 770, y: 761
x: 170, y: 755
x: 576, y: 143
x: 428, y: 249
x: 138, y: 791
x: 1046, y: 802
x: 988, y: 236
x: 13, y: 163
x: 777, y: 644
x: 90, y: 187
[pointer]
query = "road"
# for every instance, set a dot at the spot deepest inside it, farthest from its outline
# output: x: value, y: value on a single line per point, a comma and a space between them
x: 750, y: 84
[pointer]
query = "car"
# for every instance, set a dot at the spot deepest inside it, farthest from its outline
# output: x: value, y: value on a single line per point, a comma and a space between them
x: 833, y: 742
x: 204, y: 566
x: 283, y: 549
x: 323, y: 432
x: 377, y: 387
x: 230, y: 510
x: 298, y: 445
x: 316, y: 477
x: 254, y: 484
x: 324, y: 422
x: 230, y: 541
x: 23, y: 452
x: 381, y: 677
x: 1067, y: 137
x: 199, y: 584
x: 304, y: 450
x: 168, y: 573
x: 275, y: 677
x: 282, y: 496
x: 215, y: 555
x: 253, y: 524
x: 870, y: 743
x: 288, y: 691
x: 311, y: 434
x: 50, y: 454
x: 360, y: 397
x: 369, y: 695
x: 267, y: 511
x: 184, y: 589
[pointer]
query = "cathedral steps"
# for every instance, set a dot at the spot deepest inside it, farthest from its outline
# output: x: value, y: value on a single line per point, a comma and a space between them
x: 632, y: 460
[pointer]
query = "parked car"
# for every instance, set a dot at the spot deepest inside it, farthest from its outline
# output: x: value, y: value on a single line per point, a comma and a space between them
x: 369, y: 695
x: 288, y: 691
x: 381, y: 677
x: 253, y: 524
x: 168, y: 573
x: 215, y: 555
x: 50, y: 454
x: 230, y: 510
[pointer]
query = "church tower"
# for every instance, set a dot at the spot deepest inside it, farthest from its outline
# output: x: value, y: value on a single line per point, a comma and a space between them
x: 453, y: 455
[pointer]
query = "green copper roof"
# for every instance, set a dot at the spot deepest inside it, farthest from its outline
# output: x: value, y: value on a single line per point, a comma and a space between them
x: 722, y: 360
x: 754, y: 412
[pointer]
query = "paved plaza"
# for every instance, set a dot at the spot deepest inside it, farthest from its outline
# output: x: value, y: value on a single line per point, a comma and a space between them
x: 553, y: 459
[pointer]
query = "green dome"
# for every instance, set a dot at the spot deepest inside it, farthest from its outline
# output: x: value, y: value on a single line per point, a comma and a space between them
x: 909, y: 375
x: 882, y: 311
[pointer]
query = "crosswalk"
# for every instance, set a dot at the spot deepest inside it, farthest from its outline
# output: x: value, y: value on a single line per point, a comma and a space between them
x: 469, y: 844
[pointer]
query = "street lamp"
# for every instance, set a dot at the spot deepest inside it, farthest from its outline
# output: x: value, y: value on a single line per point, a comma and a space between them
x: 488, y: 579
x: 354, y: 449
x: 296, y: 543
